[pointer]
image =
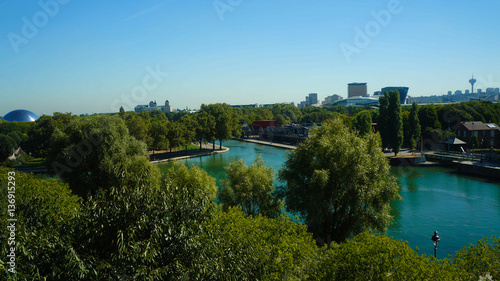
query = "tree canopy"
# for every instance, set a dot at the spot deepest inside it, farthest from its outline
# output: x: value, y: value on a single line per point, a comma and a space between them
x: 226, y: 121
x: 338, y: 183
x: 390, y: 121
x: 98, y: 152
x: 414, y: 125
x: 250, y: 187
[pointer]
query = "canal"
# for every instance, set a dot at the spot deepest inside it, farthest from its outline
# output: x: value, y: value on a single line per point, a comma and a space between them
x: 462, y: 209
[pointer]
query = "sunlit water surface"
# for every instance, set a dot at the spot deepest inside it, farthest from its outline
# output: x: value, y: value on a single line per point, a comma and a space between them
x: 462, y: 209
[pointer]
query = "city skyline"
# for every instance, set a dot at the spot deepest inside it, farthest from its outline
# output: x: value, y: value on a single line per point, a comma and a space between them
x: 93, y: 57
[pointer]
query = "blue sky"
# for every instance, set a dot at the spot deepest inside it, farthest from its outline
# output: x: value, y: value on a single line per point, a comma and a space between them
x: 95, y: 56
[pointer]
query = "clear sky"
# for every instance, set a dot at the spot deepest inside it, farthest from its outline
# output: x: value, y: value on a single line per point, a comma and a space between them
x: 95, y: 56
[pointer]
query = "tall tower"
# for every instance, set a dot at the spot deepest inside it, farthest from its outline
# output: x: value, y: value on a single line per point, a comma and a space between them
x: 472, y: 81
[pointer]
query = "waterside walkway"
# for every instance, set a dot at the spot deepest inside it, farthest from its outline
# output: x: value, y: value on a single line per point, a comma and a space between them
x: 269, y: 143
x: 164, y: 156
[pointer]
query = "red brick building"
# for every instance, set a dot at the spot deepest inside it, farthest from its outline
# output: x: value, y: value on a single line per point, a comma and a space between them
x: 487, y: 133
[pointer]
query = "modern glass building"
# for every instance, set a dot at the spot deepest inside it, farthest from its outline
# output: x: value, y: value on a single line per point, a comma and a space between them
x: 403, y: 92
x: 20, y: 115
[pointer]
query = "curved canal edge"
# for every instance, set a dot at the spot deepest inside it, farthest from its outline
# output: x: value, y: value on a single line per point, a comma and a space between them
x: 269, y: 143
x: 165, y: 157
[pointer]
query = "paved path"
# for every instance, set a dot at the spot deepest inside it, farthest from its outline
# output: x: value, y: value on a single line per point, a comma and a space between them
x: 275, y: 144
x: 206, y: 150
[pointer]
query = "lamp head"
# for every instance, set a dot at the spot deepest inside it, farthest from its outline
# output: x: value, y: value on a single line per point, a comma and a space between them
x: 435, y: 237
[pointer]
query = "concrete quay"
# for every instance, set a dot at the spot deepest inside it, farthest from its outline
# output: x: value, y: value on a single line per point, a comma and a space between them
x: 269, y: 143
x: 165, y: 156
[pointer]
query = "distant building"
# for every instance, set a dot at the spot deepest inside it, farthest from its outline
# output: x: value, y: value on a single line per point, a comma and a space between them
x: 458, y: 92
x: 154, y: 106
x: 331, y: 99
x: 403, y: 92
x: 467, y: 92
x: 358, y: 101
x: 492, y: 98
x: 377, y: 93
x: 311, y: 100
x: 357, y: 90
x: 20, y: 115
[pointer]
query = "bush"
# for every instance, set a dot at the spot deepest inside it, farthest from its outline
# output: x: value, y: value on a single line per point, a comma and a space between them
x: 376, y: 257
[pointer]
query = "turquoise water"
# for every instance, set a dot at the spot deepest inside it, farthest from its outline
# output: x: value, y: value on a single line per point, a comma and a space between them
x: 462, y: 209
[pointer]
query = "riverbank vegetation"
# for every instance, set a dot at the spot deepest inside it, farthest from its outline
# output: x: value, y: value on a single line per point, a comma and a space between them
x: 160, y: 131
x: 175, y: 231
x: 114, y: 216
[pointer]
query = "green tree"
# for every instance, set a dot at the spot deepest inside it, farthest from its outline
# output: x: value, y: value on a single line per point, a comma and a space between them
x: 414, y: 125
x: 376, y: 257
x: 7, y: 146
x: 383, y: 119
x: 158, y: 135
x: 474, y: 142
x: 395, y: 122
x: 237, y: 247
x: 338, y: 183
x: 317, y: 116
x: 281, y: 119
x: 18, y: 137
x: 135, y: 232
x: 157, y: 115
x: 226, y: 125
x: 175, y: 135
x: 98, y: 152
x: 41, y: 132
x: 405, y: 115
x: 40, y: 135
x: 205, y: 129
x: 7, y: 127
x: 189, y: 129
x: 250, y: 187
x: 138, y: 127
x: 427, y: 115
x: 477, y: 261
x: 364, y: 122
x: 290, y: 113
x: 42, y: 209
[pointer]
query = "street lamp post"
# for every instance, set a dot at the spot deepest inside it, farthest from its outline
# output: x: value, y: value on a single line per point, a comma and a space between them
x: 435, y: 238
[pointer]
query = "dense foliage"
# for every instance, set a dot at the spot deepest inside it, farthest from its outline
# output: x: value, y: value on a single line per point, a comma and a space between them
x: 338, y: 183
x: 175, y: 231
x: 98, y: 152
x: 250, y: 187
x: 117, y: 218
x: 391, y: 121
